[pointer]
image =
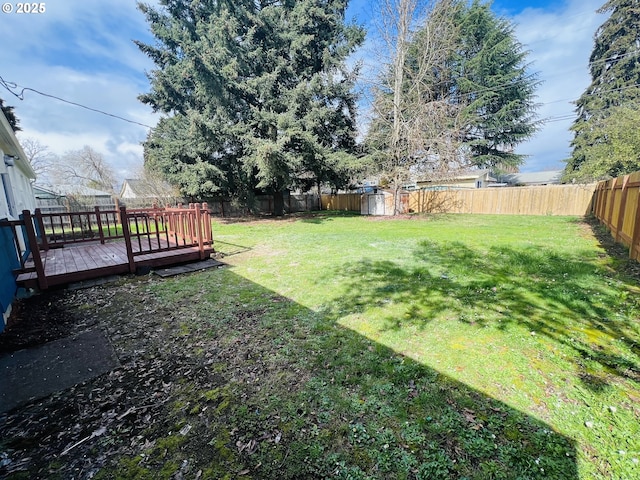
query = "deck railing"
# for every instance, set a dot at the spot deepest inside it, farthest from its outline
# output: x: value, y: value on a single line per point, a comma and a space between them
x: 17, y: 244
x: 145, y: 231
x: 151, y: 230
x: 63, y: 228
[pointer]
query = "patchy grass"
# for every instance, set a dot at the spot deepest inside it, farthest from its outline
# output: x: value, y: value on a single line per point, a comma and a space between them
x: 336, y: 346
x: 528, y: 311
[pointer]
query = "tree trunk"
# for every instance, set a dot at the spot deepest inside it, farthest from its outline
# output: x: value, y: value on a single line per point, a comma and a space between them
x: 278, y: 203
x: 396, y: 200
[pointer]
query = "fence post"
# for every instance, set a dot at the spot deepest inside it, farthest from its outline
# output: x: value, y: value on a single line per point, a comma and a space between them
x: 609, y: 219
x: 124, y: 221
x: 35, y: 249
x: 634, y: 248
x: 623, y: 207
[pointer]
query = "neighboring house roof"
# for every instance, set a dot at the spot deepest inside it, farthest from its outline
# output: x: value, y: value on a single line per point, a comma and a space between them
x: 65, y: 190
x: 461, y: 176
x: 139, y: 188
x: 550, y: 177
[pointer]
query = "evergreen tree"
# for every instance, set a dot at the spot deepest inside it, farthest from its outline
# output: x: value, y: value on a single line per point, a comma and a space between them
x: 465, y: 99
x: 10, y: 116
x: 494, y: 83
x: 615, y: 73
x: 257, y: 94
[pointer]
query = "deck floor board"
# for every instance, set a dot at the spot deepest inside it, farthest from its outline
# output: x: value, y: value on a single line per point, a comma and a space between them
x: 85, y: 261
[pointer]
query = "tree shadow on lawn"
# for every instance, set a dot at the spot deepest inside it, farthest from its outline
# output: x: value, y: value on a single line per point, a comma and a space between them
x: 268, y: 389
x: 351, y: 408
x: 568, y: 299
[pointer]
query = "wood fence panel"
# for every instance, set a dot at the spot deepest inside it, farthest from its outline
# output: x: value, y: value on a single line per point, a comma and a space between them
x: 544, y: 200
x: 570, y: 200
x: 617, y: 206
x: 346, y: 201
x: 630, y: 212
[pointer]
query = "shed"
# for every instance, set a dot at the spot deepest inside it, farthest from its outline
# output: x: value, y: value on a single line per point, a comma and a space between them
x: 381, y: 202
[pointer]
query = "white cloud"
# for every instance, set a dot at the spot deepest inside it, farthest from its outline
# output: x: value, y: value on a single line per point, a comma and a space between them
x: 81, y: 51
x: 560, y: 42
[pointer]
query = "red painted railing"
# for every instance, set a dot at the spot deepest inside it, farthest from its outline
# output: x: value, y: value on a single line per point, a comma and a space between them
x: 145, y: 231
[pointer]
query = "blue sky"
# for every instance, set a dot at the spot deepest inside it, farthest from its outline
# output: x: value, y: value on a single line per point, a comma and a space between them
x: 83, y: 51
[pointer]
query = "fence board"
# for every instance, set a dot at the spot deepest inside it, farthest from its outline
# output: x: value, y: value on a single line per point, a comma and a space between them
x: 344, y: 201
x: 543, y: 200
x: 617, y: 205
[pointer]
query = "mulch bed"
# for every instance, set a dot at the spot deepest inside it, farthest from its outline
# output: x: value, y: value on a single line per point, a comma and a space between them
x: 76, y: 432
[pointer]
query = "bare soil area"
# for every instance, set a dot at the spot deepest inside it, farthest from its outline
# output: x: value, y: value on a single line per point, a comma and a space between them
x: 76, y: 432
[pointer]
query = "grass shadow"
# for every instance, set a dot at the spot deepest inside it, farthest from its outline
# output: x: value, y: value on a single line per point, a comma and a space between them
x: 569, y: 299
x: 271, y: 389
x: 230, y: 248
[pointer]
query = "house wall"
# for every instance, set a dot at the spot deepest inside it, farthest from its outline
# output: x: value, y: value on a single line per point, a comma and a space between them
x: 8, y: 262
x: 16, y: 195
x: 460, y: 184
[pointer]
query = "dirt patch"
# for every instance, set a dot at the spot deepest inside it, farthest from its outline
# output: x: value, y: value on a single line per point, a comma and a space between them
x: 39, y: 320
x: 76, y: 432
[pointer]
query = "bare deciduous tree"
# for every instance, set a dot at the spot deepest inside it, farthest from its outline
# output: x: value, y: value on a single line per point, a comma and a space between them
x: 42, y: 160
x: 152, y: 187
x: 417, y: 118
x: 85, y: 167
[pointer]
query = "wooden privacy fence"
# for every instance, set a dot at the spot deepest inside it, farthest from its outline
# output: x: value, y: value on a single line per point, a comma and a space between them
x: 542, y: 200
x: 617, y: 205
x: 343, y: 201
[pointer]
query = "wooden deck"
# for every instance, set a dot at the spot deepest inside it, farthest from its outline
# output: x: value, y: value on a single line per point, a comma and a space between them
x: 75, y: 263
x: 76, y: 246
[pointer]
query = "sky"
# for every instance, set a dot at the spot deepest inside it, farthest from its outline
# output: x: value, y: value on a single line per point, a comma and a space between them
x: 83, y: 51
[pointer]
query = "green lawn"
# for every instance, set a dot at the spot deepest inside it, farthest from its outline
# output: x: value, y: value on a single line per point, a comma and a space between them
x: 473, y: 347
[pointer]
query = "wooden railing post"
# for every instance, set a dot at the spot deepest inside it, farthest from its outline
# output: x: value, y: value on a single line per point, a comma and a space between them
x: 124, y: 221
x: 35, y: 249
x: 99, y: 222
x: 199, y: 230
x: 206, y: 222
x: 40, y: 222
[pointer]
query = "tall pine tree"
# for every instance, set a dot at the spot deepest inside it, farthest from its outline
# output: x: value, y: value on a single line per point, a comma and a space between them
x: 494, y: 82
x: 615, y: 85
x: 257, y: 94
